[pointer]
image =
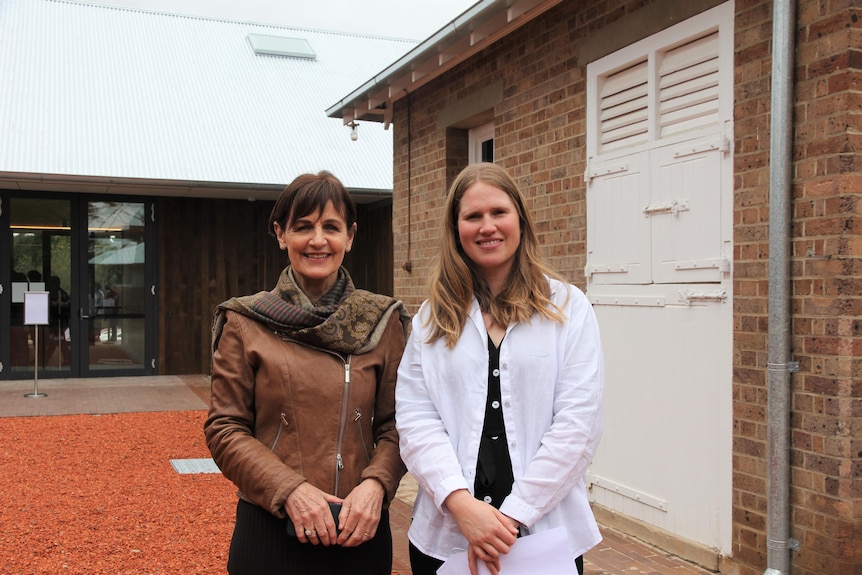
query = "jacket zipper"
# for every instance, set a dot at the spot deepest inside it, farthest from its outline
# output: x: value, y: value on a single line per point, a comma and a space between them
x: 339, y: 461
x: 281, y: 427
x: 358, y: 419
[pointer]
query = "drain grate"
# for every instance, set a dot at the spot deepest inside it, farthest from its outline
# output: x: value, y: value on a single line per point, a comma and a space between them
x: 187, y: 466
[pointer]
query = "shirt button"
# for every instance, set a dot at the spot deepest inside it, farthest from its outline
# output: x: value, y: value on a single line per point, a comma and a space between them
x: 495, y: 404
x: 507, y: 404
x: 505, y: 366
x: 487, y: 499
x: 496, y: 373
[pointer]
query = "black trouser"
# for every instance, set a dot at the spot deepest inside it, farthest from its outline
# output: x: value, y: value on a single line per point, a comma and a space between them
x: 422, y: 564
x: 261, y: 546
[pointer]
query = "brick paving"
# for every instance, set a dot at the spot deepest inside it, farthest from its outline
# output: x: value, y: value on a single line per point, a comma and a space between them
x: 617, y: 554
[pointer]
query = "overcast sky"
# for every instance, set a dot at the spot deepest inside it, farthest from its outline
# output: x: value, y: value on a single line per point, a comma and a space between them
x: 412, y: 19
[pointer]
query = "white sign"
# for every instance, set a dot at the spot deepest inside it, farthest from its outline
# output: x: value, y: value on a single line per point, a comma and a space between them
x: 36, y: 308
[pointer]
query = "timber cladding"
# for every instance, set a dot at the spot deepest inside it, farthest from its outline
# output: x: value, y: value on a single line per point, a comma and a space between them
x: 227, y: 252
x: 540, y: 133
x: 210, y: 250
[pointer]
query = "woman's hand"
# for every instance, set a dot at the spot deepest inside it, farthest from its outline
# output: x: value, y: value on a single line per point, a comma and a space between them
x: 360, y: 513
x: 488, y: 532
x: 308, y: 508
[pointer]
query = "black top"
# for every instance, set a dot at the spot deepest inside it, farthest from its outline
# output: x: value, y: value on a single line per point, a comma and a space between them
x: 494, y: 477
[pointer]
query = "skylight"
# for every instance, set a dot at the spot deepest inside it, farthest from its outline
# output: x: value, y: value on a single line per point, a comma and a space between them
x: 281, y: 46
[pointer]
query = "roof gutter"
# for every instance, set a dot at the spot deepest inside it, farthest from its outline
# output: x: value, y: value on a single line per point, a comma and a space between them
x: 779, y: 362
x: 152, y: 187
x: 478, y: 27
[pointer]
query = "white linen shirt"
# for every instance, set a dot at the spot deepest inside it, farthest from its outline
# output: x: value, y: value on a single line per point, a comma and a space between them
x: 551, y: 381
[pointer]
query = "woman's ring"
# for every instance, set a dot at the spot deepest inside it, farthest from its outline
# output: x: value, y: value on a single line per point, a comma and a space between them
x: 365, y: 534
x: 308, y: 532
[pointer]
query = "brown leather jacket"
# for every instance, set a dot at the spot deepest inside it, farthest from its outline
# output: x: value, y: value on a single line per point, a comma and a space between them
x: 282, y: 413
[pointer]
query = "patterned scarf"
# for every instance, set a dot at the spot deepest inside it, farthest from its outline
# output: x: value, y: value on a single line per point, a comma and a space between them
x: 345, y: 319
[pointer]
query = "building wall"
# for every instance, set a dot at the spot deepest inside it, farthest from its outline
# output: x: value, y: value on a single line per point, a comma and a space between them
x: 540, y: 138
x: 826, y: 420
x: 209, y: 251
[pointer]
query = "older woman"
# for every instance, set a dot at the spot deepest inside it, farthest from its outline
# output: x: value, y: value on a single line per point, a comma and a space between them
x: 303, y: 397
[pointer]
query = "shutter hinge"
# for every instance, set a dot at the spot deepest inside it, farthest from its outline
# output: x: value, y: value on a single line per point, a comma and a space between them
x: 153, y: 212
x: 722, y: 265
x: 153, y: 289
x: 589, y: 174
x: 606, y: 269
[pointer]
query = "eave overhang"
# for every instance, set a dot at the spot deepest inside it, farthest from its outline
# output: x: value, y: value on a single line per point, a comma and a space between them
x: 477, y: 28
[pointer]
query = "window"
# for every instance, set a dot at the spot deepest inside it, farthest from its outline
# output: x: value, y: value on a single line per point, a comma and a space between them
x: 481, y: 142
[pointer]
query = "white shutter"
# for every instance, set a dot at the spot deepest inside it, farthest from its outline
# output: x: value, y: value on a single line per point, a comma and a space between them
x: 657, y: 149
x: 617, y: 231
x: 688, y: 87
x: 685, y: 213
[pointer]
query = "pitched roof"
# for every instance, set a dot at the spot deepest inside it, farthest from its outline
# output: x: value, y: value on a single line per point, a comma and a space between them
x: 98, y: 94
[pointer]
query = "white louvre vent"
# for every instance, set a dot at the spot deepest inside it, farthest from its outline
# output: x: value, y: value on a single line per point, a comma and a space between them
x: 623, y: 108
x: 688, y: 87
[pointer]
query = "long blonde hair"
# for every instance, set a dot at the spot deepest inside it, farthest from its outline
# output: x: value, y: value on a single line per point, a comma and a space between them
x: 455, y: 279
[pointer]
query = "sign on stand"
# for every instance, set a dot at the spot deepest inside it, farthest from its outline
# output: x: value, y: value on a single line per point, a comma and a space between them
x: 36, y: 314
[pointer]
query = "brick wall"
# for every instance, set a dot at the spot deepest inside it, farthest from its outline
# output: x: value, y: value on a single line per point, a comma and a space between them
x: 826, y: 421
x: 540, y: 138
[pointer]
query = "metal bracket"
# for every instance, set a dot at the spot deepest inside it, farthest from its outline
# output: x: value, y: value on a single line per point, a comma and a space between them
x: 793, y: 544
x: 673, y: 207
x: 688, y: 296
x: 789, y: 367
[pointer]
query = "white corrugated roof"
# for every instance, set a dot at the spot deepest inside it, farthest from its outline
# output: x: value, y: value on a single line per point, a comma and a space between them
x: 93, y: 91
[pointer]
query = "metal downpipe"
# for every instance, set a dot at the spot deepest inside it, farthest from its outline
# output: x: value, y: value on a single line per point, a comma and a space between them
x: 779, y: 344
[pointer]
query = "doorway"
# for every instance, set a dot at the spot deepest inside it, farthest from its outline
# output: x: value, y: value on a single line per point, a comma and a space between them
x: 94, y: 258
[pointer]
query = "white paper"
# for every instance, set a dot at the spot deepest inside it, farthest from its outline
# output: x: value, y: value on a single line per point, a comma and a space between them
x: 36, y: 308
x: 546, y: 553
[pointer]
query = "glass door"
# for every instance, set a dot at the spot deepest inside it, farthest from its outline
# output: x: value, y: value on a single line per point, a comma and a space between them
x: 96, y: 260
x: 41, y: 260
x: 113, y: 317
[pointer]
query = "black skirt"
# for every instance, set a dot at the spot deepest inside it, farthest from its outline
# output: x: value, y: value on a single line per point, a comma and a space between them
x: 261, y: 546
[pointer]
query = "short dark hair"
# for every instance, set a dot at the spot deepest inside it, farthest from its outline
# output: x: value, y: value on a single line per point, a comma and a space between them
x: 309, y: 194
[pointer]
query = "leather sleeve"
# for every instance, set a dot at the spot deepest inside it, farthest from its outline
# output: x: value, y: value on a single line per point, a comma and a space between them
x: 260, y: 475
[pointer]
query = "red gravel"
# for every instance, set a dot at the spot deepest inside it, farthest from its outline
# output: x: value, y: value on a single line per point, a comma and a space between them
x: 96, y: 494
